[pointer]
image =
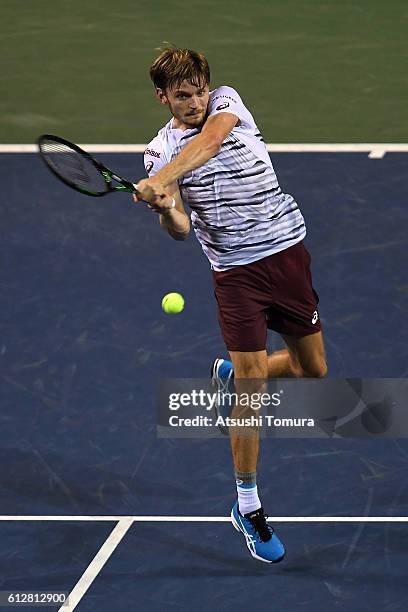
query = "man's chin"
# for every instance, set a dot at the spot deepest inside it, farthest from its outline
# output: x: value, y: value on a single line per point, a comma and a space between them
x: 195, y: 122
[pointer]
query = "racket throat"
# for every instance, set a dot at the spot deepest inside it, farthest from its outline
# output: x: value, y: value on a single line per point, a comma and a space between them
x: 121, y: 184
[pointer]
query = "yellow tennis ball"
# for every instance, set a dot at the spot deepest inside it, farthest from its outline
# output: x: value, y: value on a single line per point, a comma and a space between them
x: 173, y: 303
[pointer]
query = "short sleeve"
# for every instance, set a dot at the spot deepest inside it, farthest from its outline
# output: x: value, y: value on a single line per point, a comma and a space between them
x: 226, y: 100
x: 154, y: 157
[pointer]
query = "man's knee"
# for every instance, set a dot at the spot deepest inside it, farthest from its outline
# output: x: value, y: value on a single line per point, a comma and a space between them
x: 250, y: 365
x: 251, y: 385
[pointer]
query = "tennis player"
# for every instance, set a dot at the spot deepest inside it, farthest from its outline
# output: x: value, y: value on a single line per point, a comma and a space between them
x: 211, y: 157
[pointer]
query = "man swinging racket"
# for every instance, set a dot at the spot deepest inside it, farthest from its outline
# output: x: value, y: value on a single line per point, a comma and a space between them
x: 211, y: 156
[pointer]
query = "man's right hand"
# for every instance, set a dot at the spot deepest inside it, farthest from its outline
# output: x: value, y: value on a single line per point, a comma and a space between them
x: 150, y: 190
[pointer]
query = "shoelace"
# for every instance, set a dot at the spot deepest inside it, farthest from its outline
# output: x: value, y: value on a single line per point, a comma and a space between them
x: 261, y: 527
x: 225, y: 382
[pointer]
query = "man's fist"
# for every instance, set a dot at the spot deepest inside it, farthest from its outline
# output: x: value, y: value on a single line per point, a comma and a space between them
x: 153, y: 192
x: 150, y: 190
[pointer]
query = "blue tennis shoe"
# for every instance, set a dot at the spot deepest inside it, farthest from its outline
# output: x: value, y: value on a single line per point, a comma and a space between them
x: 261, y: 539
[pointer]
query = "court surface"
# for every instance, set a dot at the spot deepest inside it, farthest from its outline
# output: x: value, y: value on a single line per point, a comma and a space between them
x: 83, y: 344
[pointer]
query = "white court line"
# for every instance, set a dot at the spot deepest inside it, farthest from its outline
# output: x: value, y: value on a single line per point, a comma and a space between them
x: 125, y: 522
x: 206, y: 519
x: 374, y: 150
x: 97, y: 564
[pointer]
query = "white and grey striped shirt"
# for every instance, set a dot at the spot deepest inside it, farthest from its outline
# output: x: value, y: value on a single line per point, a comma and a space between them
x: 239, y: 213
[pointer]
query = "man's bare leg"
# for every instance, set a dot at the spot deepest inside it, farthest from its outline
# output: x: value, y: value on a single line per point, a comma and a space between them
x: 250, y: 375
x: 245, y: 447
x: 281, y: 365
x: 308, y: 354
x: 303, y: 357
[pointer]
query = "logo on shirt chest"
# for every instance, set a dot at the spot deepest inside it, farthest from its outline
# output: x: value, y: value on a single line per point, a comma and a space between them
x: 222, y: 106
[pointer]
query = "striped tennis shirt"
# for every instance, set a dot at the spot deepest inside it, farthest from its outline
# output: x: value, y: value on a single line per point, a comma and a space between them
x: 239, y: 213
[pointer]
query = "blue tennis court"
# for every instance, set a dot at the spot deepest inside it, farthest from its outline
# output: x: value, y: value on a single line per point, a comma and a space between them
x: 83, y: 345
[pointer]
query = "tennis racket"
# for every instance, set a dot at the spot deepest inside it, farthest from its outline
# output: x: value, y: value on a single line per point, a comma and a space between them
x: 79, y: 170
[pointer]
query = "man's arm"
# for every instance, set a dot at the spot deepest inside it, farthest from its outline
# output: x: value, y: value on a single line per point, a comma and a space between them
x: 200, y: 149
x: 197, y: 152
x: 175, y: 220
x: 172, y: 218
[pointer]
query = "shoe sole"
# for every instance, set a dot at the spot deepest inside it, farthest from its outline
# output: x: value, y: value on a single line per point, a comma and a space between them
x: 255, y: 556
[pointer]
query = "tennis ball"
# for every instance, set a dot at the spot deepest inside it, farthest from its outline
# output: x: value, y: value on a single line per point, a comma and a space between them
x: 173, y: 303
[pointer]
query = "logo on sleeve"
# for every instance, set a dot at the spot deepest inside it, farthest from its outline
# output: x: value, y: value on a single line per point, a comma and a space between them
x: 149, y: 166
x: 222, y: 106
x: 224, y: 96
x: 152, y: 153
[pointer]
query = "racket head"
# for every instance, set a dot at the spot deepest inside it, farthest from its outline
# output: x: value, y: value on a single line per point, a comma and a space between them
x: 74, y: 166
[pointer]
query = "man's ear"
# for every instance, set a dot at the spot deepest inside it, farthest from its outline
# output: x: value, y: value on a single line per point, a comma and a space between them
x: 161, y: 96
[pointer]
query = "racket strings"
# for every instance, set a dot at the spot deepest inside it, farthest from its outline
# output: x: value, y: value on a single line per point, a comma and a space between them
x: 73, y: 167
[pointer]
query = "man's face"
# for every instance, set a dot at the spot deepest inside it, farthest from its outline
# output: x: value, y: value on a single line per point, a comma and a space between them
x: 188, y: 104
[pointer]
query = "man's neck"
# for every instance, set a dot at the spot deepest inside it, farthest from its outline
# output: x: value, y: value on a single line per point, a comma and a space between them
x: 178, y: 125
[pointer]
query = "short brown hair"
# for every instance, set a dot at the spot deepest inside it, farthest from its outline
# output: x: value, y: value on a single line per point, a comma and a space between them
x: 174, y: 65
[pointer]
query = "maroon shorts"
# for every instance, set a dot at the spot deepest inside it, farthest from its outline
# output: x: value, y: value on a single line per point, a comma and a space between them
x: 275, y: 292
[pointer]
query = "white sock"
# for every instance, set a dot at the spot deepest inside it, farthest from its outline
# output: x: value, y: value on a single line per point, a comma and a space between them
x: 248, y: 499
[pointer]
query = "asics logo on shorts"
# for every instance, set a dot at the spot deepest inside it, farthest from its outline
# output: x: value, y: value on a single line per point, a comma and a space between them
x: 315, y: 317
